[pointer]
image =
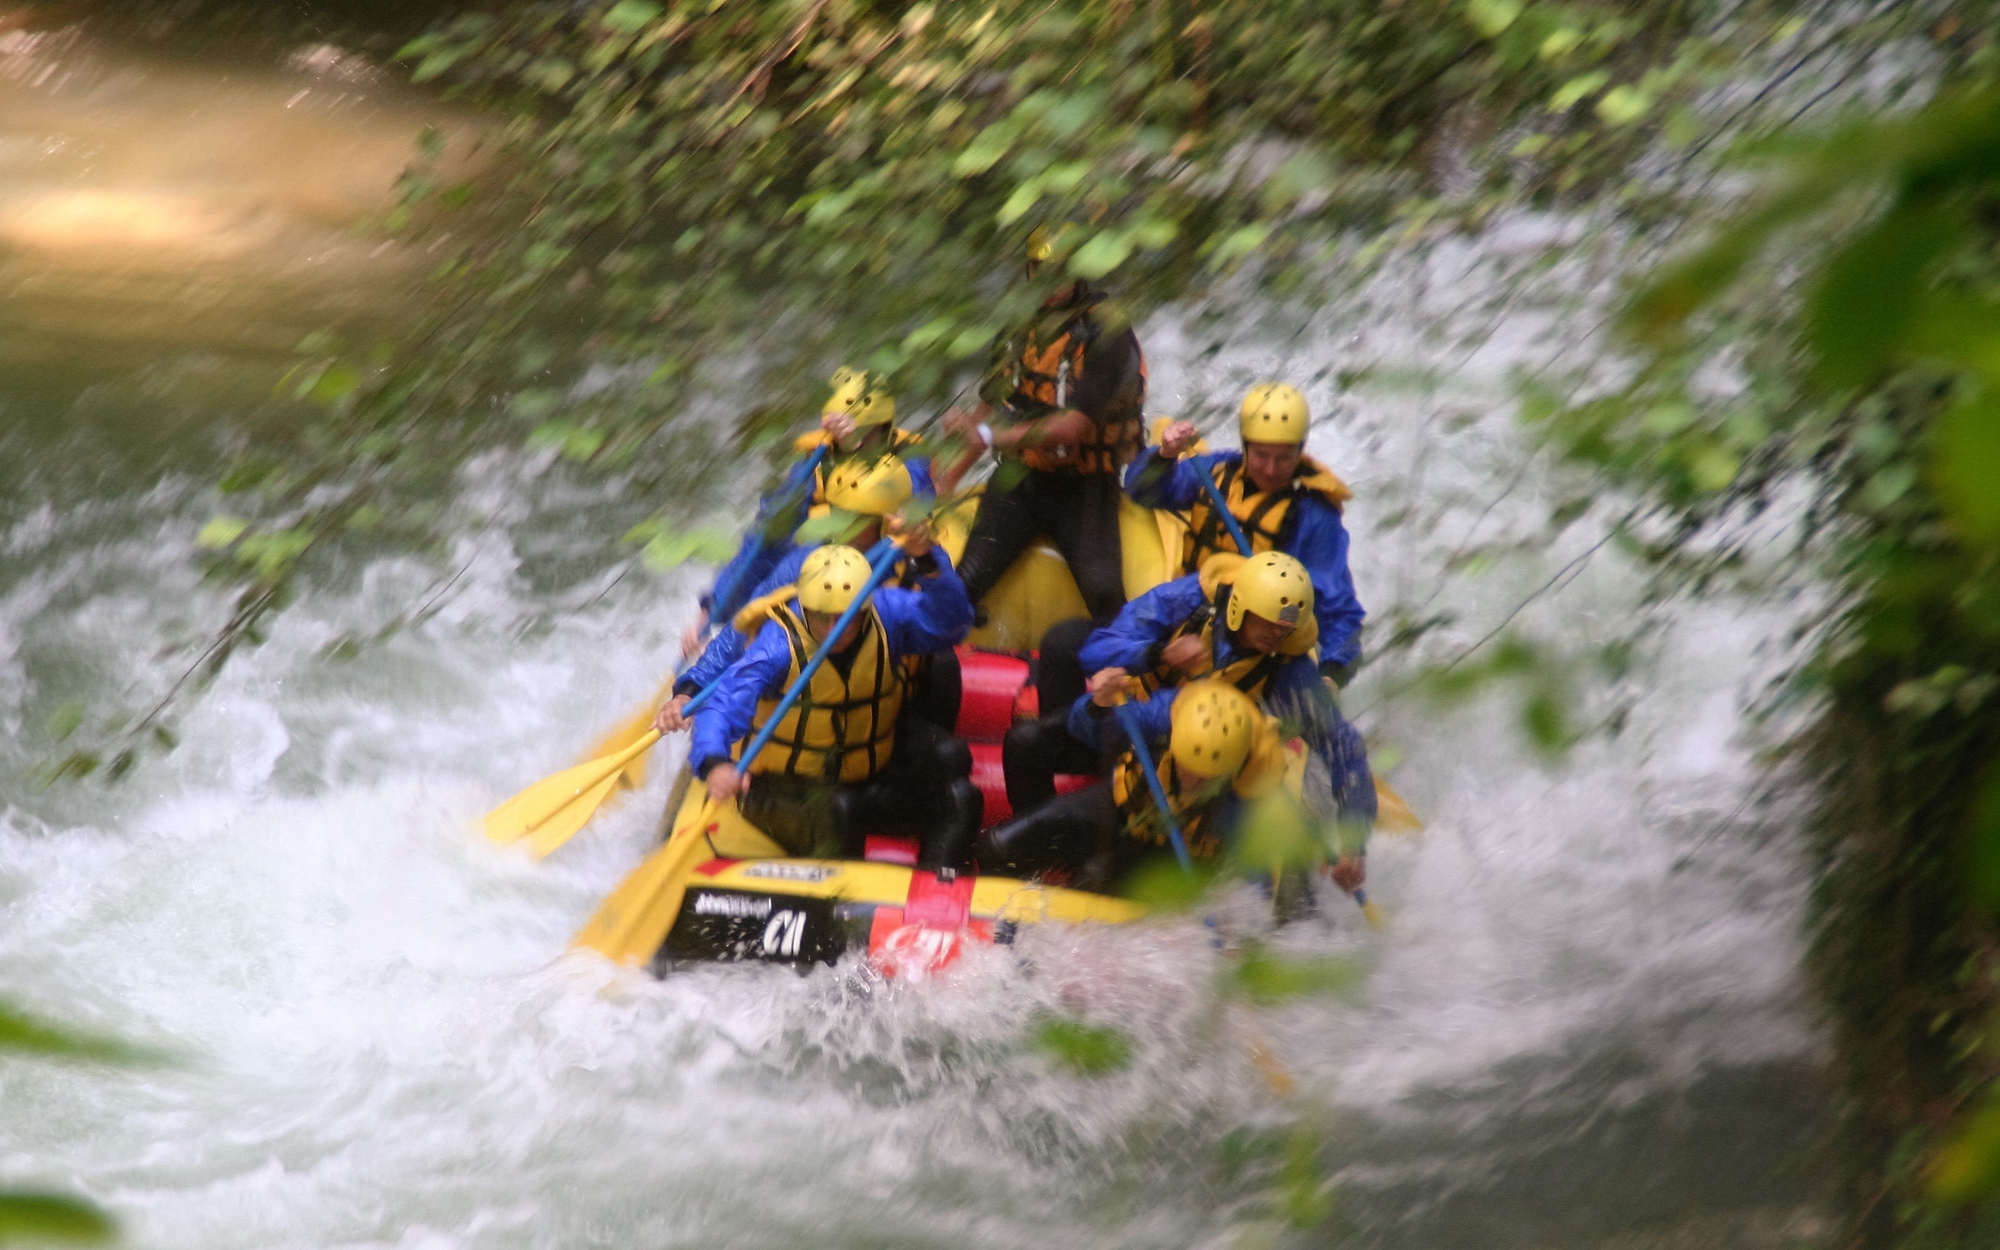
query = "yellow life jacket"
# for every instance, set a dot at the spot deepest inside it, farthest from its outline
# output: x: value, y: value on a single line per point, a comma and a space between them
x: 1262, y: 514
x: 1250, y: 673
x: 843, y: 728
x: 1050, y: 354
x: 1264, y: 772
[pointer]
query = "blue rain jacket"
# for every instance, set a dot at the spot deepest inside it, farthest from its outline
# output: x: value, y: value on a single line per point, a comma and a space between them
x: 1314, y: 536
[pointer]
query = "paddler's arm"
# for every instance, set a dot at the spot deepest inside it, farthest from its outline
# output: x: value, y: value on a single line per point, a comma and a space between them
x: 728, y: 716
x: 1321, y: 545
x: 1093, y: 722
x: 1297, y: 694
x: 1132, y: 641
x: 722, y: 651
x: 727, y: 645
x: 933, y: 617
x: 1159, y: 481
x: 1065, y: 427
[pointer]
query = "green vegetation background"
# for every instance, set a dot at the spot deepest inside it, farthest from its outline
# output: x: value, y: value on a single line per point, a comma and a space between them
x: 713, y: 204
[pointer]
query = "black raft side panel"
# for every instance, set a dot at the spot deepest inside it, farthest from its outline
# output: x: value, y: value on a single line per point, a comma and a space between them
x: 731, y: 926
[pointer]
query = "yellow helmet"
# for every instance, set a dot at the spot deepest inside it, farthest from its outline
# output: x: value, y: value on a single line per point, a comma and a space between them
x: 1274, y: 586
x: 870, y: 489
x: 1041, y: 245
x: 859, y: 397
x: 1274, y: 413
x: 1214, y: 725
x: 831, y: 578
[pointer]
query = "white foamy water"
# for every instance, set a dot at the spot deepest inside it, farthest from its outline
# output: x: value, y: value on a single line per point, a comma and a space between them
x: 1583, y: 1027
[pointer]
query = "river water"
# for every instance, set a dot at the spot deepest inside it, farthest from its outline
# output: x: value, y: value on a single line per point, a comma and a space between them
x: 1584, y: 1026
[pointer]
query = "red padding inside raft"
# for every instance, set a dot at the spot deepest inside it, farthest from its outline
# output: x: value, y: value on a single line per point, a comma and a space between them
x: 990, y: 775
x: 887, y: 849
x: 988, y: 683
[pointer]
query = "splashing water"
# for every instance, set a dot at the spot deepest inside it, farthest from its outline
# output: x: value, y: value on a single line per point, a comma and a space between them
x: 1583, y: 1028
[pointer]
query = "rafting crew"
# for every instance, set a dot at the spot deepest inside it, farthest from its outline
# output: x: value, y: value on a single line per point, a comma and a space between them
x: 1281, y: 500
x: 857, y: 428
x: 1215, y: 752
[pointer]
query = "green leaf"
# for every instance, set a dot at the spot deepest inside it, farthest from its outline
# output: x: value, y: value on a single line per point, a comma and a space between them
x: 1669, y: 419
x: 1100, y: 254
x: 628, y: 16
x: 1084, y: 1048
x: 1713, y: 468
x: 435, y: 64
x: 1024, y: 198
x: 1240, y: 243
x: 985, y: 150
x: 1161, y: 885
x: 220, y: 532
x: 52, y: 1217
x: 26, y: 1034
x: 1267, y: 979
x: 535, y: 403
x: 1559, y: 43
x: 1567, y: 95
x: 1965, y: 463
x: 64, y: 720
x: 1623, y: 105
x: 336, y: 383
x: 1490, y: 17
x: 1868, y: 296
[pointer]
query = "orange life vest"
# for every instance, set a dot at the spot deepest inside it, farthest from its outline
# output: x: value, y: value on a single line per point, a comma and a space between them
x: 1042, y: 373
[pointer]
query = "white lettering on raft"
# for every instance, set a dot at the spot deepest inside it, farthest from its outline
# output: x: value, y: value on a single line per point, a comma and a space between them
x: 731, y: 905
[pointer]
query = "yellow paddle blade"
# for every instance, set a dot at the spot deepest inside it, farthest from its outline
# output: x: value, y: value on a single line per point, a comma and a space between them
x: 631, y: 924
x: 579, y: 787
x: 573, y: 816
x: 628, y: 732
x: 1392, y: 815
x: 1373, y: 915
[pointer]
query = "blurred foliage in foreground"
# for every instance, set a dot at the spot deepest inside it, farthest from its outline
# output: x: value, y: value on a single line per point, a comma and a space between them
x: 682, y: 216
x: 1857, y: 399
x: 43, y: 1218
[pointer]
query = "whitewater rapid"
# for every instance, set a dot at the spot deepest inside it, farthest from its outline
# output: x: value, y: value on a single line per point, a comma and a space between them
x: 1584, y: 1026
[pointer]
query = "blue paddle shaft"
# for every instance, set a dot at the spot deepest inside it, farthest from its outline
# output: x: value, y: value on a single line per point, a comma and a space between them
x: 720, y: 605
x: 723, y: 603
x: 1222, y: 510
x: 1137, y: 733
x: 884, y: 560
